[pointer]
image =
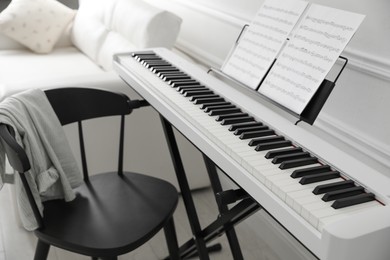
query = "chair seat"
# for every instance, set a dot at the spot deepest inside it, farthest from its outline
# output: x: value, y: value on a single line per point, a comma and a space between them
x: 145, y: 206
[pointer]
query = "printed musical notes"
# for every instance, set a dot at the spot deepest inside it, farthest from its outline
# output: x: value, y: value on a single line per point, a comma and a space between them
x: 307, y: 58
x: 262, y: 41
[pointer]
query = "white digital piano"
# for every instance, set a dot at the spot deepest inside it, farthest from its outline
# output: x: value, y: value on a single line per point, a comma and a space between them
x: 334, y: 204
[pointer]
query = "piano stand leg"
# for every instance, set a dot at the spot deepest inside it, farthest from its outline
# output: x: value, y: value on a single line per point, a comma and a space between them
x: 227, y: 218
x: 213, y: 248
x: 185, y: 190
x: 223, y: 208
x: 221, y: 225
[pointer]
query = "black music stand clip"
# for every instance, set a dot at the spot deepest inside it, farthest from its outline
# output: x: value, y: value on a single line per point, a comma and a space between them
x: 312, y: 109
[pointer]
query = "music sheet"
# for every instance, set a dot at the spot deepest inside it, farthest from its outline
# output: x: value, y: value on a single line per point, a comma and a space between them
x: 261, y: 42
x: 305, y: 61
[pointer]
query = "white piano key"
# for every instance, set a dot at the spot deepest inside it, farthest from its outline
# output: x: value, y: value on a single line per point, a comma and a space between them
x: 325, y: 216
x: 323, y: 221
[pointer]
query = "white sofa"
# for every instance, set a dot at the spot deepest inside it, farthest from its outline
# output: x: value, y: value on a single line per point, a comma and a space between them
x: 83, y: 57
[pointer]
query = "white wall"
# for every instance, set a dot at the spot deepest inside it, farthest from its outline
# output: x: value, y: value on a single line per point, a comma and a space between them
x: 356, y: 116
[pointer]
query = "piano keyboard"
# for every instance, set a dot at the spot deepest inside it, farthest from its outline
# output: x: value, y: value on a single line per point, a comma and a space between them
x: 313, y: 189
x: 321, y: 194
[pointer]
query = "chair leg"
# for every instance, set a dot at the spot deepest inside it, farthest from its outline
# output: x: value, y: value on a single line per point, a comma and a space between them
x: 41, y: 251
x: 170, y: 236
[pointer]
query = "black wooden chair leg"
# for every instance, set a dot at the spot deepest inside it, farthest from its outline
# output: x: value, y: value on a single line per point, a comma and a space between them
x: 170, y: 236
x: 41, y: 251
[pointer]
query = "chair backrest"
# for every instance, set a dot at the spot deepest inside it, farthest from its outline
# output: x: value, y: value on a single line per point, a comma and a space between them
x: 71, y: 105
x: 77, y: 104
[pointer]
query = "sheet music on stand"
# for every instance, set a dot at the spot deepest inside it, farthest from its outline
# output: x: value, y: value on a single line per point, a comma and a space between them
x: 262, y: 41
x: 295, y: 77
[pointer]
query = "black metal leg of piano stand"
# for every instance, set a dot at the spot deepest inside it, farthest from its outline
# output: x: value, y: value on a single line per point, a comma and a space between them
x: 227, y: 218
x: 222, y: 224
x: 199, y: 242
x: 223, y: 208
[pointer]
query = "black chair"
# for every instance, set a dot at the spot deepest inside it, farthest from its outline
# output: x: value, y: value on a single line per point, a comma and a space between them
x: 114, y: 212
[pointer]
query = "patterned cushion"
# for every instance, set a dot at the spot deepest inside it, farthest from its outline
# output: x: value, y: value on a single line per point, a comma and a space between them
x: 37, y: 24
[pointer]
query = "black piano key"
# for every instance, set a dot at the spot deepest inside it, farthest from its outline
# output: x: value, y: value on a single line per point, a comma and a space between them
x: 241, y: 130
x: 317, y: 177
x: 273, y: 145
x: 184, y: 89
x: 230, y: 121
x: 224, y: 111
x: 262, y: 140
x: 143, y: 59
x: 167, y: 72
x: 339, y: 194
x: 163, y: 73
x: 298, y: 162
x: 145, y: 55
x: 215, y: 104
x: 205, y: 96
x: 311, y: 170
x: 254, y: 134
x: 272, y: 154
x: 191, y: 93
x: 138, y: 56
x: 165, y: 69
x: 156, y: 66
x: 174, y: 77
x: 291, y: 156
x: 184, y: 83
x: 353, y: 200
x: 150, y: 64
x: 236, y: 115
x: 217, y: 107
x: 234, y: 127
x: 324, y: 188
x: 187, y: 80
x: 151, y: 58
x: 208, y: 100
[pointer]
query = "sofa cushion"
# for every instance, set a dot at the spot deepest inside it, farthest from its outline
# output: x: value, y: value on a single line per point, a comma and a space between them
x: 103, y: 28
x: 23, y: 66
x: 37, y: 24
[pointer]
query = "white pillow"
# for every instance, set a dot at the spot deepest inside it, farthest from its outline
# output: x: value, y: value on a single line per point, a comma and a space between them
x: 37, y: 24
x: 105, y: 27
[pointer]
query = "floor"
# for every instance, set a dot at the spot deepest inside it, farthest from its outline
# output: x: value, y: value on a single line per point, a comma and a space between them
x: 16, y: 244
